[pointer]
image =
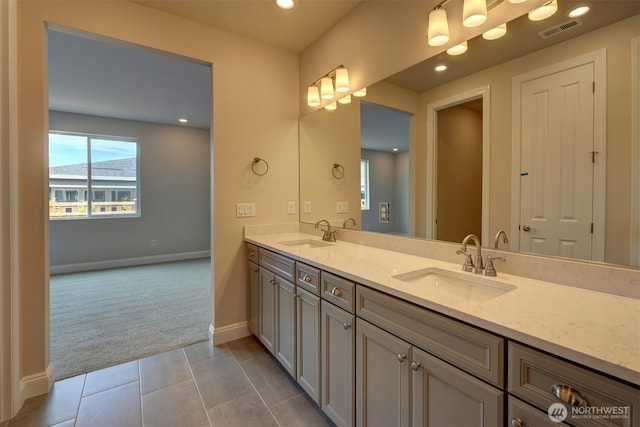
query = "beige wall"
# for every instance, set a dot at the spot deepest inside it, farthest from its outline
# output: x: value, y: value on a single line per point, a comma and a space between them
x: 254, y: 114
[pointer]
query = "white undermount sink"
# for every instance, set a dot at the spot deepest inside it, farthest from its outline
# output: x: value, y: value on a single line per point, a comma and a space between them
x: 467, y: 286
x: 305, y: 243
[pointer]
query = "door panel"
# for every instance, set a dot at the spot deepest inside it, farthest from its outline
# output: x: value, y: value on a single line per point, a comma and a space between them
x: 556, y: 163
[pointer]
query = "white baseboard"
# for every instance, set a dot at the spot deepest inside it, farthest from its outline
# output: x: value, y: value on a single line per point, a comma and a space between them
x: 229, y: 333
x: 36, y: 384
x: 126, y: 262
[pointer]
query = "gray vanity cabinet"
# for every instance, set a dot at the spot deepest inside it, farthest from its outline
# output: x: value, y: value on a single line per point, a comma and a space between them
x: 338, y: 361
x: 382, y: 377
x: 285, y: 345
x: 253, y: 282
x: 267, y: 303
x: 308, y: 343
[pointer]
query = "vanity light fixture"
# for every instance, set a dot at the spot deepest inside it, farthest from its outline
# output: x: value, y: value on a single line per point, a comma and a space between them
x: 495, y: 33
x: 360, y: 92
x: 578, y: 11
x: 342, y: 80
x: 285, y: 4
x: 458, y: 49
x: 323, y: 88
x: 440, y: 68
x: 438, y: 30
x: 544, y: 11
x: 313, y: 96
x: 474, y: 13
x: 345, y: 100
x: 326, y: 88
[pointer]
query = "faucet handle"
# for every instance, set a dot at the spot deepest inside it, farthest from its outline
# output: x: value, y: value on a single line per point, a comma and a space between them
x: 489, y: 269
x: 468, y: 262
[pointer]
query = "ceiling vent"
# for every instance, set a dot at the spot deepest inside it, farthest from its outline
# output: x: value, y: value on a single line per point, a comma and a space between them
x: 560, y: 28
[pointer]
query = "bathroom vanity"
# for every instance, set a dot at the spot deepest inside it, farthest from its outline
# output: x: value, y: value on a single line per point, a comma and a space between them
x: 379, y: 337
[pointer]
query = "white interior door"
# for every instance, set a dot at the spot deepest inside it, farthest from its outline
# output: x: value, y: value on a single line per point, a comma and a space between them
x: 557, y: 163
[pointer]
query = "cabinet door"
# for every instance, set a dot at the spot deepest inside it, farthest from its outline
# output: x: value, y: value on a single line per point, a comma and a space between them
x: 253, y: 281
x: 267, y: 317
x: 338, y: 359
x: 285, y: 348
x: 443, y: 395
x: 382, y: 377
x: 308, y: 343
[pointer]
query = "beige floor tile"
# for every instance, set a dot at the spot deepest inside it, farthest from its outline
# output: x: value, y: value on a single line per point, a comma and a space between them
x: 70, y: 423
x: 246, y: 348
x: 162, y: 370
x: 300, y: 411
x: 204, y: 350
x: 61, y: 404
x: 220, y: 379
x: 119, y: 406
x: 107, y: 378
x: 177, y: 405
x: 272, y: 383
x: 245, y: 411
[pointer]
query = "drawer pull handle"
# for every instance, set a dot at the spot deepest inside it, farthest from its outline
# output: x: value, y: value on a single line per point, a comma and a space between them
x: 346, y: 325
x: 307, y: 278
x: 569, y: 395
x: 415, y: 366
x: 516, y: 422
x: 336, y: 291
x: 401, y: 357
x: 252, y: 254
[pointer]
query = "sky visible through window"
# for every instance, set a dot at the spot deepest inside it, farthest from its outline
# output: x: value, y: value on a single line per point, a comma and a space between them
x: 67, y: 149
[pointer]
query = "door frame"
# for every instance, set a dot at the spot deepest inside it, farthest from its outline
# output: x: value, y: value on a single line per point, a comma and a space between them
x: 634, y: 250
x: 599, y: 60
x: 483, y: 92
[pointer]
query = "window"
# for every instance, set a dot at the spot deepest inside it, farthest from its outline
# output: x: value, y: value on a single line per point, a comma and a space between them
x: 101, y: 166
x: 364, y: 185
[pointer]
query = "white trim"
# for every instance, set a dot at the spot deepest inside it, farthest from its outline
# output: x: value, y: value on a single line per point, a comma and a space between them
x: 432, y: 156
x: 127, y: 262
x: 37, y: 384
x: 229, y: 333
x: 634, y: 250
x: 599, y: 60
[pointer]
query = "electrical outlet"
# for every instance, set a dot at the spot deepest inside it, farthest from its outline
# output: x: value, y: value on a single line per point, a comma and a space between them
x: 291, y: 208
x: 342, y: 207
x: 154, y: 243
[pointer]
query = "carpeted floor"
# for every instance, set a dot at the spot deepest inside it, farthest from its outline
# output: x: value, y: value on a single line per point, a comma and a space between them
x: 103, y: 318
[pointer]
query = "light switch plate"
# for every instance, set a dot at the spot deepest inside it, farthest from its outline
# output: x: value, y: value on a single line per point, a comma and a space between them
x: 307, y: 206
x: 342, y: 207
x: 291, y: 208
x: 245, y: 210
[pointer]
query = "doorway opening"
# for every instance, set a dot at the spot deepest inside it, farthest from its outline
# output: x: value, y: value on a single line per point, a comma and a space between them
x: 458, y: 167
x: 121, y: 223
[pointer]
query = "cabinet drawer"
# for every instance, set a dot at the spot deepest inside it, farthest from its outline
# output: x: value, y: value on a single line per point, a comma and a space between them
x: 520, y: 414
x: 252, y: 252
x: 308, y: 278
x: 533, y: 375
x: 338, y: 291
x: 470, y: 349
x: 276, y: 263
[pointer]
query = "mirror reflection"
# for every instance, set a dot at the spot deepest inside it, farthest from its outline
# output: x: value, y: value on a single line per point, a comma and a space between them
x: 454, y: 176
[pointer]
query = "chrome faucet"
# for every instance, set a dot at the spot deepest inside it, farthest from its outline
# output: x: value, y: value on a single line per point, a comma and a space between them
x: 328, y: 235
x: 476, y: 264
x: 344, y: 224
x: 505, y: 239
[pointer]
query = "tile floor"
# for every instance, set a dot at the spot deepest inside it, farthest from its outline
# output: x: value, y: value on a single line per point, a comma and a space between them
x: 235, y: 384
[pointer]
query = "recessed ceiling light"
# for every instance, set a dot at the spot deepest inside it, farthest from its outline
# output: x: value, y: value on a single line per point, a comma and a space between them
x: 581, y: 10
x: 285, y: 4
x: 394, y: 149
x: 183, y: 120
x: 440, y: 68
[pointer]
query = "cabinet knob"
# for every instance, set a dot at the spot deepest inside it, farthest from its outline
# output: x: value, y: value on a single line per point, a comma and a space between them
x: 569, y: 395
x: 401, y: 357
x: 517, y: 422
x: 346, y: 325
x: 336, y: 291
x: 272, y: 281
x: 307, y: 278
x: 252, y: 254
x: 415, y: 366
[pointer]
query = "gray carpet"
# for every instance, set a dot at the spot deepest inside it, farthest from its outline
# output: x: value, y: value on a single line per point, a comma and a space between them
x: 103, y: 318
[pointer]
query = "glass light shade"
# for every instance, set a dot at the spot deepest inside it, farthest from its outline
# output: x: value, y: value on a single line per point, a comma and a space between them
x: 579, y: 11
x: 285, y: 4
x: 458, y: 49
x: 517, y: 1
x: 326, y: 88
x: 313, y: 96
x: 495, y: 33
x: 474, y: 13
x: 331, y: 106
x: 438, y: 32
x: 544, y: 11
x: 360, y: 93
x: 345, y: 99
x: 342, y: 80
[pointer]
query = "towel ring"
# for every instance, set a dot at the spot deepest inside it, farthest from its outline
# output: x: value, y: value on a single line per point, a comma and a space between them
x: 337, y: 171
x: 257, y: 160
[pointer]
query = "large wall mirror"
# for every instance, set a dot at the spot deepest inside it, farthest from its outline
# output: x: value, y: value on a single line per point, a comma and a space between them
x: 441, y: 155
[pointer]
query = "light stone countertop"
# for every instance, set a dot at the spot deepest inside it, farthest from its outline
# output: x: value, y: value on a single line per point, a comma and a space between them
x: 595, y: 329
